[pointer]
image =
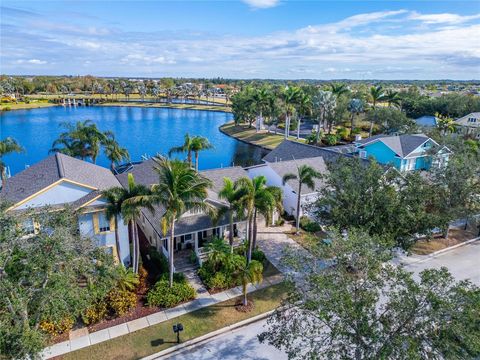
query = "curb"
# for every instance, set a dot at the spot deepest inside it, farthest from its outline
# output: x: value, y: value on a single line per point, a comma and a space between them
x: 204, y: 338
x: 442, y: 251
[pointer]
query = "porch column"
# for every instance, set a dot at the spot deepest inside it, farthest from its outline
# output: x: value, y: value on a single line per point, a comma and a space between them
x: 195, y: 241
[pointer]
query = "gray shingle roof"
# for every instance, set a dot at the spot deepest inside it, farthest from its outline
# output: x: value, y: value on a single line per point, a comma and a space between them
x: 52, y: 169
x: 146, y: 175
x: 292, y: 150
x: 285, y: 167
x: 402, y: 145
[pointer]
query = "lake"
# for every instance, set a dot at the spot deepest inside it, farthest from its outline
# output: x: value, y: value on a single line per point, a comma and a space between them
x: 143, y: 131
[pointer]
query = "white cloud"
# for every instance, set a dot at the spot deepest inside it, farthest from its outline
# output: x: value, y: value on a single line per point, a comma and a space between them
x: 261, y: 4
x: 334, y: 50
x: 31, y: 61
x: 445, y: 18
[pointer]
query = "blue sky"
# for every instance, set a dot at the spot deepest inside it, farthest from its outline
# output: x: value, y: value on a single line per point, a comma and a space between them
x: 243, y: 39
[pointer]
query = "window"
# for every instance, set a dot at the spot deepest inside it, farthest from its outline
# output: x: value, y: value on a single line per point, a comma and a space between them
x: 29, y: 227
x: 103, y: 223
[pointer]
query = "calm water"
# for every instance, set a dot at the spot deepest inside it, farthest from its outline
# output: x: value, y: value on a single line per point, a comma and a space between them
x: 143, y: 131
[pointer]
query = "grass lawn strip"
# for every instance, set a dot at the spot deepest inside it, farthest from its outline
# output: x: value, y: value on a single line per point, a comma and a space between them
x: 155, y: 338
x: 22, y: 105
x: 170, y: 106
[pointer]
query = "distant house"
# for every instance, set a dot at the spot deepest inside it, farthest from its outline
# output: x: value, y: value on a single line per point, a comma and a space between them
x: 194, y: 228
x: 274, y: 173
x: 469, y: 124
x: 427, y: 121
x: 293, y: 150
x: 59, y: 181
x: 404, y: 152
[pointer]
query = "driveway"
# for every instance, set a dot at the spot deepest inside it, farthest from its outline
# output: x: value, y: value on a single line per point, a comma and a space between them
x: 462, y: 262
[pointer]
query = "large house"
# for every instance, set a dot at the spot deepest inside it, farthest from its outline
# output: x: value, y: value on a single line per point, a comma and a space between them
x: 194, y: 228
x: 469, y: 124
x: 274, y: 173
x: 59, y: 181
x: 404, y: 152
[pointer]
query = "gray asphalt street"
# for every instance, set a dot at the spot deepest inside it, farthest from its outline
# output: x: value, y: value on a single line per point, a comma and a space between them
x: 463, y: 263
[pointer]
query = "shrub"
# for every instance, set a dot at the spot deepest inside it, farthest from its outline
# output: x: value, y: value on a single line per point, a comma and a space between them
x: 258, y: 255
x: 177, y: 277
x: 193, y: 257
x: 218, y: 281
x: 95, y: 313
x: 158, y: 260
x: 7, y: 108
x: 142, y: 286
x: 279, y: 222
x: 121, y: 301
x: 55, y: 328
x: 330, y: 139
x: 164, y: 296
x: 309, y: 225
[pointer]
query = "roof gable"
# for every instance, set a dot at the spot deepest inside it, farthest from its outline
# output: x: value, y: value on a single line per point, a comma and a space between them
x: 52, y: 170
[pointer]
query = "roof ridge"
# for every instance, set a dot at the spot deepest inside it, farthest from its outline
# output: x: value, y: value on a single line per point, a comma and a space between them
x: 61, y: 169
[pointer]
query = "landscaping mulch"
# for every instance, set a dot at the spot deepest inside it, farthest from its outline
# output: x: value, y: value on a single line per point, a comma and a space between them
x: 455, y: 236
x: 244, y: 308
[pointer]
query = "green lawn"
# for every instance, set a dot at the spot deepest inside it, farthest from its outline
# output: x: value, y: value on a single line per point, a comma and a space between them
x: 159, y: 337
x: 306, y: 239
x: 170, y: 106
x: 249, y: 134
x: 22, y: 105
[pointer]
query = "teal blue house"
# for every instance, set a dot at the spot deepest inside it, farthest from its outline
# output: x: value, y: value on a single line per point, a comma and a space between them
x: 404, y: 152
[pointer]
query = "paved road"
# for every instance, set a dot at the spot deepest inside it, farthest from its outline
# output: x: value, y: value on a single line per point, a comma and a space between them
x: 462, y: 262
x: 241, y: 343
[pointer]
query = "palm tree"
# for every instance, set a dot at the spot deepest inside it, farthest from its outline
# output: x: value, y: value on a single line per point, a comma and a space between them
x: 114, y: 152
x: 200, y: 143
x: 126, y: 279
x: 81, y: 140
x: 185, y: 147
x: 445, y: 124
x: 260, y: 100
x: 7, y: 146
x: 230, y: 194
x: 305, y: 175
x: 249, y: 272
x: 355, y: 107
x: 324, y: 103
x: 304, y: 108
x: 376, y: 95
x: 179, y: 189
x: 290, y: 97
x: 119, y: 203
x: 339, y: 89
x: 256, y: 197
x: 392, y: 97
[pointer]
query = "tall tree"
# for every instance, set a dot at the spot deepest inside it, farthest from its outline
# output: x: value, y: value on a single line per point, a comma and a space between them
x: 249, y: 272
x: 185, y: 147
x: 81, y: 140
x: 260, y: 100
x: 179, y: 189
x: 119, y: 203
x: 257, y: 198
x: 200, y: 143
x: 290, y: 96
x: 7, y: 146
x: 304, y: 109
x: 43, y: 278
x: 368, y: 197
x: 376, y: 95
x: 393, y: 98
x: 355, y: 107
x: 114, y: 152
x: 365, y: 307
x: 231, y: 195
x: 324, y: 103
x: 305, y: 175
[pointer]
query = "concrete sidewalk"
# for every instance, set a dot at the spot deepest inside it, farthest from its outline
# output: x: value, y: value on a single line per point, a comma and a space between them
x: 202, y: 301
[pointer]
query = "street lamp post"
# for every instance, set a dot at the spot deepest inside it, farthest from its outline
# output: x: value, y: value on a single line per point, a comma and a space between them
x: 176, y: 329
